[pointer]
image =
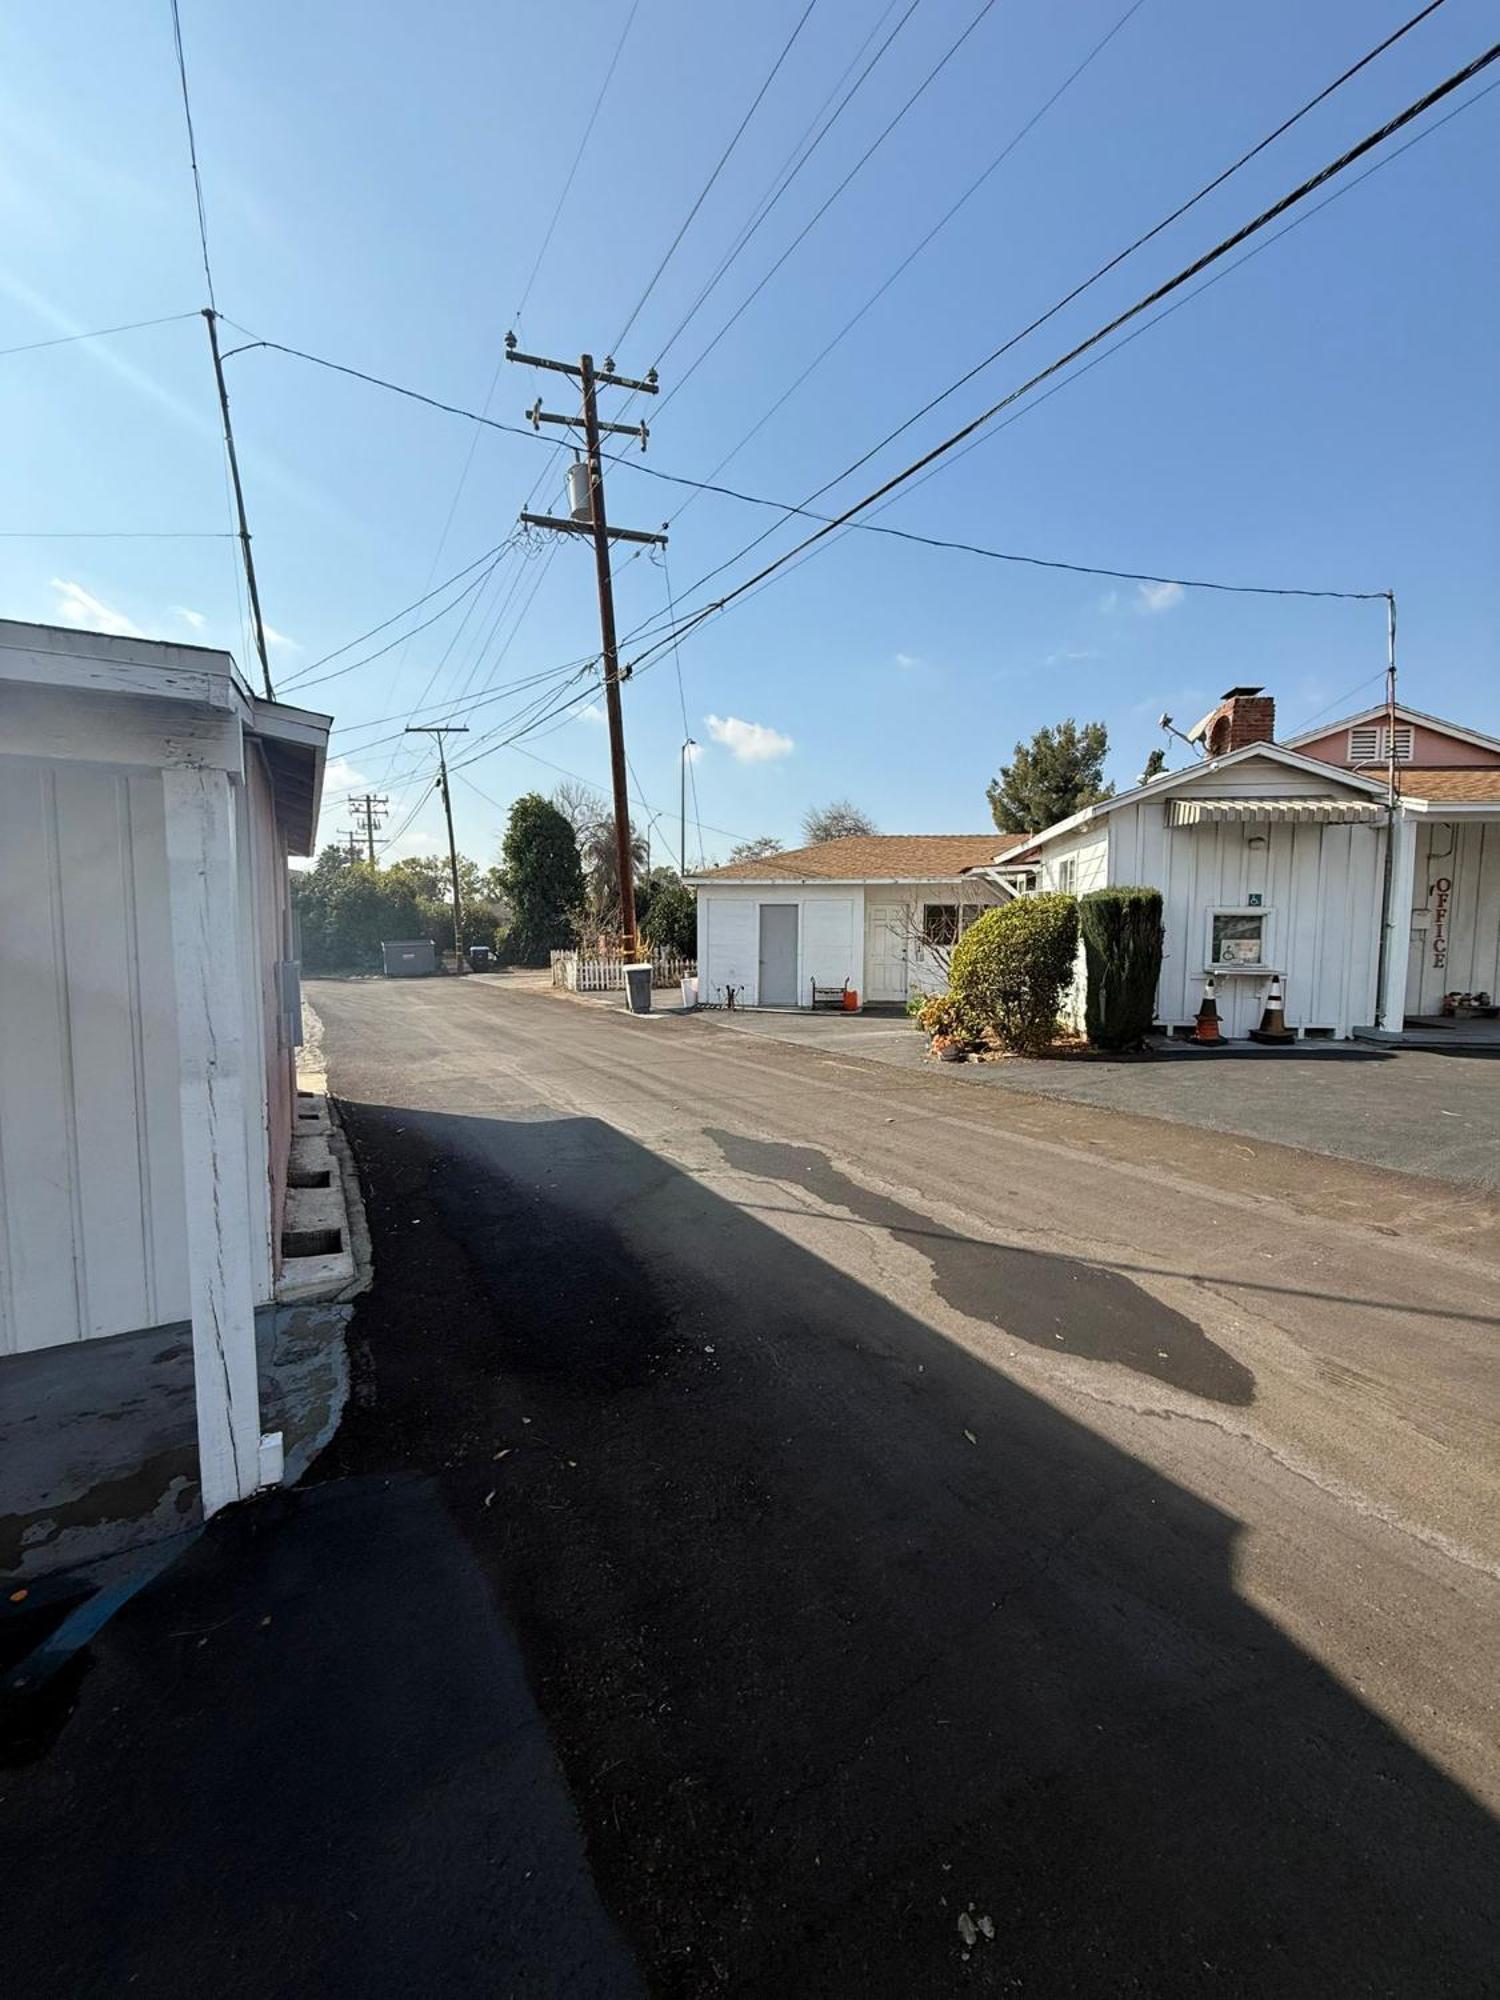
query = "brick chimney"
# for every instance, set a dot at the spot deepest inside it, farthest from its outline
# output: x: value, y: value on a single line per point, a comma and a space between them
x: 1245, y: 715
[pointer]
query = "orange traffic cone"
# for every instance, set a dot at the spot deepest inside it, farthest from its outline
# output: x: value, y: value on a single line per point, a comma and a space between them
x: 1273, y: 1027
x: 1206, y: 1026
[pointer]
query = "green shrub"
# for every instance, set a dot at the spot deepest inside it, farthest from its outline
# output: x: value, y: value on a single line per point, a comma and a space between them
x: 1122, y: 936
x: 1010, y: 968
x: 944, y: 1018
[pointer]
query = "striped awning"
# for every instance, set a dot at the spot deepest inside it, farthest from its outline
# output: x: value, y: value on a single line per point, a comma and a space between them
x: 1303, y: 812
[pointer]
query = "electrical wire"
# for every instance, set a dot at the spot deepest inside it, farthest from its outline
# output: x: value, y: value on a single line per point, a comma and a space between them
x: 986, y: 7
x: 588, y: 130
x: 386, y: 623
x: 187, y: 113
x: 1160, y: 292
x: 351, y: 666
x: 97, y: 333
x: 788, y: 174
x: 1120, y: 256
x: 932, y: 234
x: 116, y: 535
x: 707, y: 188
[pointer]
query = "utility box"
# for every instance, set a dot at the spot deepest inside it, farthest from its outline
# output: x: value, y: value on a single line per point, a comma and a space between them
x: 409, y: 958
x: 480, y: 957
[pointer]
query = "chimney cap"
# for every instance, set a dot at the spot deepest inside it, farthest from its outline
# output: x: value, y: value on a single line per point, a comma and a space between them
x: 1240, y: 693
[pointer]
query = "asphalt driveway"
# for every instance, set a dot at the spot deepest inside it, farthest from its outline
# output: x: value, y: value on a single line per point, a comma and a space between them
x: 948, y: 1541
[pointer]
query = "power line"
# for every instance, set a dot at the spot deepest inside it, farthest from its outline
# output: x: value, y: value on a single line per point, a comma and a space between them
x: 350, y: 666
x: 416, y: 605
x: 1103, y: 270
x: 97, y: 333
x: 588, y: 131
x: 187, y: 113
x: 936, y: 230
x: 116, y: 535
x: 791, y: 169
x: 953, y: 48
x: 1164, y: 290
x: 707, y: 187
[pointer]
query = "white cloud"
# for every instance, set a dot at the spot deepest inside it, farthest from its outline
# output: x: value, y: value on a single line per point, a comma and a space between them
x: 750, y: 742
x: 907, y: 659
x: 341, y: 776
x: 275, y: 638
x: 1069, y: 655
x: 1153, y: 597
x: 694, y: 752
x: 194, y: 618
x: 77, y: 606
x: 414, y: 841
x: 593, y: 713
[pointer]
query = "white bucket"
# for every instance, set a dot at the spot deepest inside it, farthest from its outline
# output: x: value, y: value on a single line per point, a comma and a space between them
x: 689, y: 993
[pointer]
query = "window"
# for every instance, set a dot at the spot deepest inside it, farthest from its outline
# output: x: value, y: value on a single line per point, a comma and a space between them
x: 940, y: 923
x: 1237, y: 938
x: 1370, y: 743
x: 1067, y: 876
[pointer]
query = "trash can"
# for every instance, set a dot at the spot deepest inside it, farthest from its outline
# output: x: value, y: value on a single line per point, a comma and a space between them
x: 689, y: 993
x: 638, y: 988
x: 479, y: 958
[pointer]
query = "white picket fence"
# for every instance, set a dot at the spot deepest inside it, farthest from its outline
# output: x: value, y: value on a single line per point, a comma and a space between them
x: 598, y: 972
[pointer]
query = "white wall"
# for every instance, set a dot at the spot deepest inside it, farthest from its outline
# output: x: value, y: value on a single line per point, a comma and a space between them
x: 92, y: 1234
x: 1087, y: 851
x: 830, y: 937
x: 1320, y: 886
x: 1464, y: 854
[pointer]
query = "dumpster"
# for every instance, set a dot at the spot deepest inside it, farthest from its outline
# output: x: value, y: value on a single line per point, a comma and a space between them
x: 409, y: 958
x: 638, y: 988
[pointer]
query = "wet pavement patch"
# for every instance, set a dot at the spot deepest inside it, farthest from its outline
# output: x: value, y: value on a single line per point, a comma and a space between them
x: 1049, y: 1301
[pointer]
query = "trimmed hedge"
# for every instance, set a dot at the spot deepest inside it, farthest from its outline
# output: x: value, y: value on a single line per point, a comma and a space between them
x: 1010, y: 967
x: 1122, y: 939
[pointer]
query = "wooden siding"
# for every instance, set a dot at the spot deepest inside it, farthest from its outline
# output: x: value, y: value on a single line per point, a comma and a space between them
x: 1320, y: 886
x: 1466, y: 855
x: 91, y: 1180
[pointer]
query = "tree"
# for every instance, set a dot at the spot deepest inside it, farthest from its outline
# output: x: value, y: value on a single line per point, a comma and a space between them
x: 601, y: 867
x: 839, y: 820
x: 1156, y: 763
x: 543, y: 879
x: 671, y: 921
x: 1010, y: 969
x: 760, y: 849
x: 1057, y: 774
x: 581, y: 806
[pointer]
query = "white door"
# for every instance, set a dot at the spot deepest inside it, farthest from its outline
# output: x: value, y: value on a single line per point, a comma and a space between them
x: 885, y: 951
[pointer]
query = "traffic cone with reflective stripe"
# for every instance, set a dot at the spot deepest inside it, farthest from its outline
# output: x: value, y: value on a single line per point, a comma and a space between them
x: 1273, y: 1027
x: 1206, y: 1026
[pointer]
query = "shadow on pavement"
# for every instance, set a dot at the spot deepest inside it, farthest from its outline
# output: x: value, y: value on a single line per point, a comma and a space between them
x: 870, y: 1673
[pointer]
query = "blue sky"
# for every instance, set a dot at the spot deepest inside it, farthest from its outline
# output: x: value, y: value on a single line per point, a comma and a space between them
x: 379, y: 181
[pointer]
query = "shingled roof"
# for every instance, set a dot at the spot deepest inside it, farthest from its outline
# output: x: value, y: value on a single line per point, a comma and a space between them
x: 1472, y: 784
x: 873, y: 857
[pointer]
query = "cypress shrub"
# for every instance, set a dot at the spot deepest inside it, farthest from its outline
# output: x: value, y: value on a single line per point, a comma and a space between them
x: 1009, y: 970
x: 1122, y: 935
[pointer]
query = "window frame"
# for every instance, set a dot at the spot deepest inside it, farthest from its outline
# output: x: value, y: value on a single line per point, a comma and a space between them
x: 1067, y: 875
x: 1263, y: 965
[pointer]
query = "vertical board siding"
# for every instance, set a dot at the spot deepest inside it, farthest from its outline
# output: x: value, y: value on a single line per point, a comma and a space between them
x: 90, y: 1178
x: 1467, y: 852
x: 1321, y: 885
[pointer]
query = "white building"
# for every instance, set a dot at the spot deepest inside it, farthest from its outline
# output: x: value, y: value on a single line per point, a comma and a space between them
x: 148, y: 1004
x: 1271, y: 860
x: 869, y: 913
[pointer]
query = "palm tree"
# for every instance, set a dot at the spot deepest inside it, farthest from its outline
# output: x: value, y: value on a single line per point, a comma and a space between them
x: 596, y: 848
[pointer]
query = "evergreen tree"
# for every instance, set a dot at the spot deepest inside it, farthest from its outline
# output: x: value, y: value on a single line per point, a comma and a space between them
x: 543, y: 878
x: 1057, y: 774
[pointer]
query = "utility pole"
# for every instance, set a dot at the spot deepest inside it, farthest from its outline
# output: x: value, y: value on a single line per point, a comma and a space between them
x: 353, y: 839
x: 212, y: 319
x: 688, y: 744
x: 588, y: 518
x: 1386, y: 942
x: 369, y: 808
x: 440, y: 730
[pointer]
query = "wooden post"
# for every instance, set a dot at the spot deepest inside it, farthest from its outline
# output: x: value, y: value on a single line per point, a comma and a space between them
x: 212, y: 1059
